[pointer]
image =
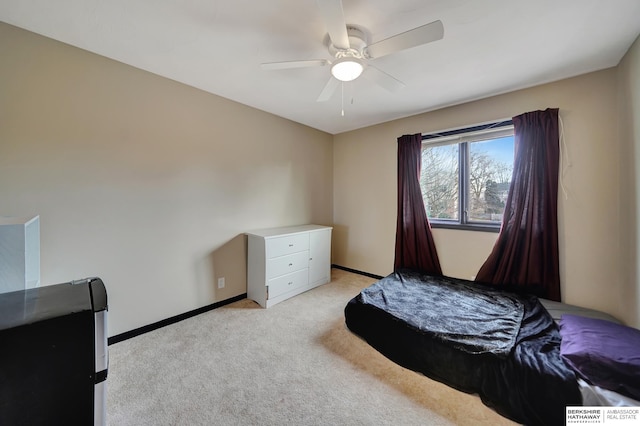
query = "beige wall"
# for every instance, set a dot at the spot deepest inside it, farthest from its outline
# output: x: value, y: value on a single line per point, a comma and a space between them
x: 590, y: 255
x: 144, y: 182
x: 629, y: 114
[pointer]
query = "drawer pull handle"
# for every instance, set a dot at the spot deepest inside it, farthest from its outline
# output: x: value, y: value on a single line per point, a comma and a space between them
x: 290, y: 282
x: 291, y: 264
x: 290, y: 245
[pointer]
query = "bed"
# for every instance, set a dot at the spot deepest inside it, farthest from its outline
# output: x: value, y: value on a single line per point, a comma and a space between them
x: 505, y: 347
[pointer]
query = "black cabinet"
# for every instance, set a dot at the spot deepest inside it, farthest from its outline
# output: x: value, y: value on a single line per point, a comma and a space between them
x: 54, y: 355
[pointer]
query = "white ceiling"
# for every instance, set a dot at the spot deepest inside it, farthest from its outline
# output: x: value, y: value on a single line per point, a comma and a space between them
x: 489, y: 47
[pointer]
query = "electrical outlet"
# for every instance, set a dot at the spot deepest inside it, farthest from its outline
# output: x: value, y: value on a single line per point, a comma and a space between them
x: 221, y: 282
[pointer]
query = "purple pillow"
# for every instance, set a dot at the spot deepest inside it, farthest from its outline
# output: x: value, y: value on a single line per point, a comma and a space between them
x: 604, y: 353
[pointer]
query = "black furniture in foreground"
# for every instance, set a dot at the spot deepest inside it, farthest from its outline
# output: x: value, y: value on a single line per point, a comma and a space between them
x: 53, y: 354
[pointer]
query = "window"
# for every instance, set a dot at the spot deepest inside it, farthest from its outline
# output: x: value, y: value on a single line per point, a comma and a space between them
x: 466, y: 175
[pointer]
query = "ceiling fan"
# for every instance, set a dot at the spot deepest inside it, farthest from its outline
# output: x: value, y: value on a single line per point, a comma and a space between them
x: 349, y: 46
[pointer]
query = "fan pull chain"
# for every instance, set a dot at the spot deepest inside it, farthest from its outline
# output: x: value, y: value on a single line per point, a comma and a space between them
x: 342, y: 97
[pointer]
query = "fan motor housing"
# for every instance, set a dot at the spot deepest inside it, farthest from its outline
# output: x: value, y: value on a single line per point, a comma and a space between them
x: 358, y: 40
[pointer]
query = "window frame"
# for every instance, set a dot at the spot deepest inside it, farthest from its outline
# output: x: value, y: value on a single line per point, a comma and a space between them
x: 463, y: 137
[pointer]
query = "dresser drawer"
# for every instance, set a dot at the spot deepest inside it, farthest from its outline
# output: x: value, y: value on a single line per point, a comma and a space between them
x: 286, y: 264
x: 286, y: 283
x: 288, y: 244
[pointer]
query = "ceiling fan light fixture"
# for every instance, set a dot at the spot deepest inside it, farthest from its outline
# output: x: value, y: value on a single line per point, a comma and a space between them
x: 347, y: 68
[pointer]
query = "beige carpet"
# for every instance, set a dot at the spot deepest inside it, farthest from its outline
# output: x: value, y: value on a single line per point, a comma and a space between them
x: 293, y: 364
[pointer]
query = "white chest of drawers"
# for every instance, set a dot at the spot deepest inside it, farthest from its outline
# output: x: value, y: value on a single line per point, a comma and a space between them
x: 284, y: 262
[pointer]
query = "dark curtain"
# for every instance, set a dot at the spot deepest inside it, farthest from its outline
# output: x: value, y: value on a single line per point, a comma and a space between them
x: 415, y: 248
x: 525, y: 256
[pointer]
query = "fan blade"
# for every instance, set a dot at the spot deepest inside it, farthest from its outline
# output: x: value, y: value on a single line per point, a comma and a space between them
x: 328, y: 90
x: 333, y: 17
x: 294, y: 64
x: 383, y: 79
x: 412, y: 38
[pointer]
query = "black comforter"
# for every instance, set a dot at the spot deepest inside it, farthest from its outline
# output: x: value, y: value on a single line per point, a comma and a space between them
x: 503, y: 346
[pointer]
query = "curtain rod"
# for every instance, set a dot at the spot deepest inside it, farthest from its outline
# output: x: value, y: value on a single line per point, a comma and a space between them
x: 493, y: 125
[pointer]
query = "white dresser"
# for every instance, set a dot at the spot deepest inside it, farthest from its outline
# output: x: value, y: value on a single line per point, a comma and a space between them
x: 284, y: 262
